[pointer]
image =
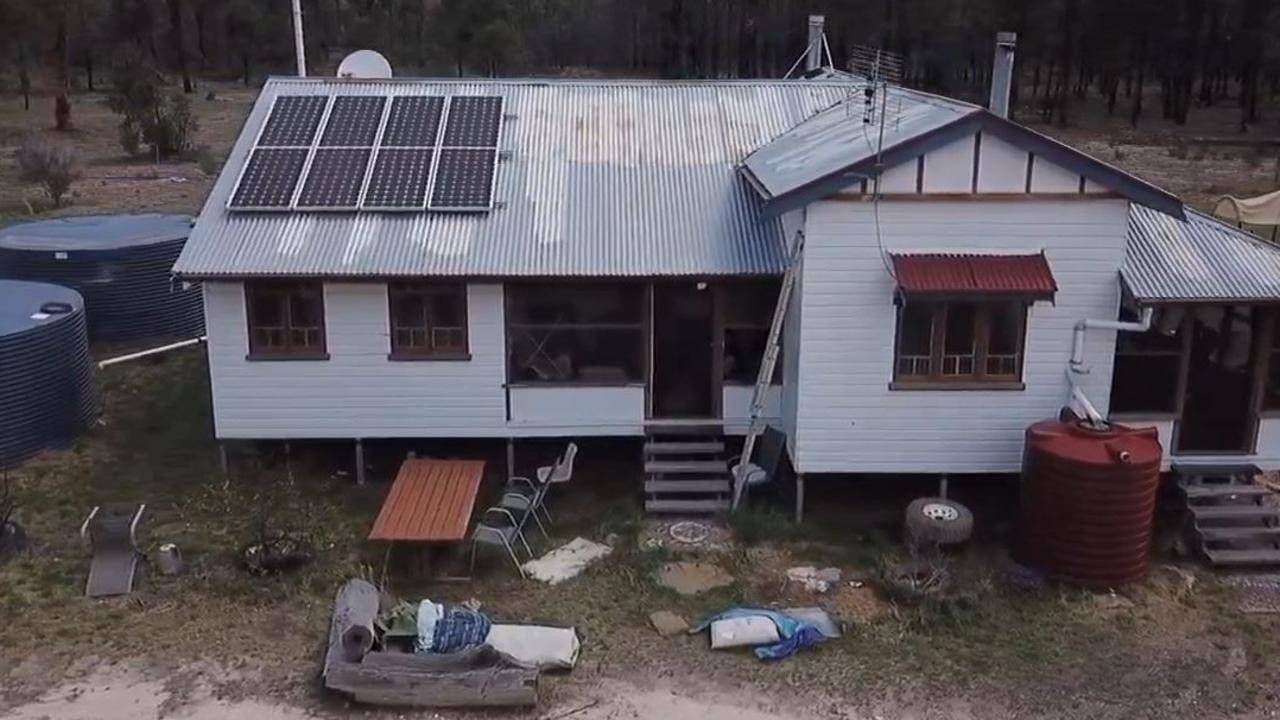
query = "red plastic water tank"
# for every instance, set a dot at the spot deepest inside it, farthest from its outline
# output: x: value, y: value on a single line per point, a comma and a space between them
x: 1088, y: 502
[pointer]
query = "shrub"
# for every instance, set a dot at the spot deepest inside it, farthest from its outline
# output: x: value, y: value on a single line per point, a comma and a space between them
x: 150, y: 112
x: 50, y: 165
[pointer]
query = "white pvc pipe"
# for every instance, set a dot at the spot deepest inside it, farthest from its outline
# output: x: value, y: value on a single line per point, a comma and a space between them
x: 1076, y: 366
x: 1077, y: 337
x: 299, y: 48
x: 152, y: 351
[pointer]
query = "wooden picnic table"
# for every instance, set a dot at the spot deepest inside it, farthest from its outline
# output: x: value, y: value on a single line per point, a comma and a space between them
x: 430, y: 501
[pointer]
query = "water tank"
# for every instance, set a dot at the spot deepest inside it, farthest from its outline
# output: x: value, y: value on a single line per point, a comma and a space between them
x: 120, y: 264
x: 1088, y: 502
x: 47, y: 395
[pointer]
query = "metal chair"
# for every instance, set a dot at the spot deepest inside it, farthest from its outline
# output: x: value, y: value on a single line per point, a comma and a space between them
x: 523, y: 495
x: 560, y: 472
x: 498, y: 527
x: 112, y: 538
x: 772, y: 445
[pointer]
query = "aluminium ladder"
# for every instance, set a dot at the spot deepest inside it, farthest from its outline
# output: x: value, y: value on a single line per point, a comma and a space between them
x: 768, y: 364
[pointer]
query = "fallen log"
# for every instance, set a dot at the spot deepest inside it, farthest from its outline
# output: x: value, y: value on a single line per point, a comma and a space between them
x: 475, y: 677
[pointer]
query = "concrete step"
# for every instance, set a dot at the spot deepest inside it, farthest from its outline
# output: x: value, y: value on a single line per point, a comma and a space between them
x: 1262, y: 556
x: 1233, y: 512
x: 1223, y: 490
x: 683, y: 448
x: 686, y: 467
x: 690, y: 486
x: 695, y: 507
x: 1238, y: 534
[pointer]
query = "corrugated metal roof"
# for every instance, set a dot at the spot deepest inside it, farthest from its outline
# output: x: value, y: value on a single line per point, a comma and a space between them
x: 930, y: 273
x: 632, y: 178
x: 838, y: 137
x: 1196, y: 260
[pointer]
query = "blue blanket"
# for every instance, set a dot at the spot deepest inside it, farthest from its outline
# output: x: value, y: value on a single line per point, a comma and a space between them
x: 794, y: 634
x: 459, y: 628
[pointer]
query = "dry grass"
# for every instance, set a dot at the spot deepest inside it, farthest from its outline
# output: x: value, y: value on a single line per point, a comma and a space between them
x: 112, y: 181
x: 1027, y: 651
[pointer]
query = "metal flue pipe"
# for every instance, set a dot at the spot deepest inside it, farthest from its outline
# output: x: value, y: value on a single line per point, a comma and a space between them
x: 299, y: 46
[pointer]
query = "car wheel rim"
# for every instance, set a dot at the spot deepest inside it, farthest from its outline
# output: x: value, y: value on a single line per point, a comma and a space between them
x: 941, y: 512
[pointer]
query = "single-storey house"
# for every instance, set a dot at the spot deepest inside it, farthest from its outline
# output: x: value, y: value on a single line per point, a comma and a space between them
x: 510, y: 259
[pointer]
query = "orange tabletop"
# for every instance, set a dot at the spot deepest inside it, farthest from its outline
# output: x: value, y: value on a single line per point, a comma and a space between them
x: 430, y: 501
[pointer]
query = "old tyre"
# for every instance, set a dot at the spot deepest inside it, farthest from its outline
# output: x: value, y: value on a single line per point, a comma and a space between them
x: 937, y: 520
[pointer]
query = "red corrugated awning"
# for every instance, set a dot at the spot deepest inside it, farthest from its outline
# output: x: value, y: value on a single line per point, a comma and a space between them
x: 959, y: 274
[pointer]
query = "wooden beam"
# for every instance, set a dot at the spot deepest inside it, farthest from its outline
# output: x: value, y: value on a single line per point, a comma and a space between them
x: 799, y: 498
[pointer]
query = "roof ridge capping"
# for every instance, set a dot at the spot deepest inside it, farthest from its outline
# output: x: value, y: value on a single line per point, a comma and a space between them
x: 549, y: 81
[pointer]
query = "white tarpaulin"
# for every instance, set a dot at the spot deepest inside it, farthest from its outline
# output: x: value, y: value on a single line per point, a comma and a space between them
x: 1261, y: 210
x: 547, y: 648
x: 566, y: 561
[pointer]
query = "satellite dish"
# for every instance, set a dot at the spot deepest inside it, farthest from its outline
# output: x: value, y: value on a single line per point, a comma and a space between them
x: 365, y: 64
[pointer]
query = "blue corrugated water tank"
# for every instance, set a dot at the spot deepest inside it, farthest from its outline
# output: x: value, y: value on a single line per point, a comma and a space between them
x: 120, y: 264
x: 47, y: 396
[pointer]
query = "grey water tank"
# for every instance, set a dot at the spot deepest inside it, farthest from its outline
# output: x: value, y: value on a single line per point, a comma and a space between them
x: 121, y: 265
x: 47, y: 395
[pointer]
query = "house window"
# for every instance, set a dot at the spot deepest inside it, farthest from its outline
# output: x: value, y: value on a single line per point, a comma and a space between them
x: 586, y: 333
x: 428, y: 320
x: 748, y: 315
x: 956, y: 343
x: 1147, y: 370
x: 286, y: 319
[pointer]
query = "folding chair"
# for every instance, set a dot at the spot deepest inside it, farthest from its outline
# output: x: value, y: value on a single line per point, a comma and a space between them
x: 113, y: 541
x: 498, y: 527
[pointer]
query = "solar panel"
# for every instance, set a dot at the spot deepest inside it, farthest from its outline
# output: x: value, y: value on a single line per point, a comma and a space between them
x: 464, y: 179
x: 335, y: 178
x: 473, y: 122
x: 399, y: 179
x: 353, y: 121
x: 293, y: 121
x: 413, y: 121
x: 269, y: 178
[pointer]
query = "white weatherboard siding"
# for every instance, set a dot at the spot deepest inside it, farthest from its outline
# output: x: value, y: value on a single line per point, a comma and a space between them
x: 580, y: 410
x: 358, y: 392
x: 736, y: 407
x: 848, y: 420
x: 1266, y: 457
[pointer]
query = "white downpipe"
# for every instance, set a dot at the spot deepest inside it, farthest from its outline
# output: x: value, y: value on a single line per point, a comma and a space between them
x: 299, y: 47
x: 1077, y: 367
x: 151, y: 351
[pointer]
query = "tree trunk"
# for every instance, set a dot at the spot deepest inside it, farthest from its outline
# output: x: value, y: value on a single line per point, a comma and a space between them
x: 180, y: 45
x: 24, y: 76
x: 61, y: 73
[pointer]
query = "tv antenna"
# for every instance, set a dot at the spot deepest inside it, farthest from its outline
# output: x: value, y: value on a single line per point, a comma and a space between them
x: 878, y: 69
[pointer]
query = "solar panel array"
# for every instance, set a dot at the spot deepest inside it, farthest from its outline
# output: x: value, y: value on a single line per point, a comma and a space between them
x: 373, y: 153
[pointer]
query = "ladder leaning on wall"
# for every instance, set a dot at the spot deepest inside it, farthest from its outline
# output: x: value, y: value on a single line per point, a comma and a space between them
x: 768, y: 364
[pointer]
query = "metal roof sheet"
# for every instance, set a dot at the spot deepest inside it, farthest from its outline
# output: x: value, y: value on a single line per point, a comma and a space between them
x: 598, y: 178
x: 930, y: 273
x: 1199, y: 259
x: 838, y: 137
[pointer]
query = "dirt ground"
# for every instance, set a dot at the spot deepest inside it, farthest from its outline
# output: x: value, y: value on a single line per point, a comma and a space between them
x: 218, y: 642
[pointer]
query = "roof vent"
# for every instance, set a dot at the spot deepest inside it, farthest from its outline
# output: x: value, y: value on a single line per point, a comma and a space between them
x: 365, y: 65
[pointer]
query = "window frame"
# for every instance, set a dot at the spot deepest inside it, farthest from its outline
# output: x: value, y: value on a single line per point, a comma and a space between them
x: 770, y: 286
x: 641, y: 326
x: 287, y: 291
x: 429, y: 290
x: 979, y: 379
